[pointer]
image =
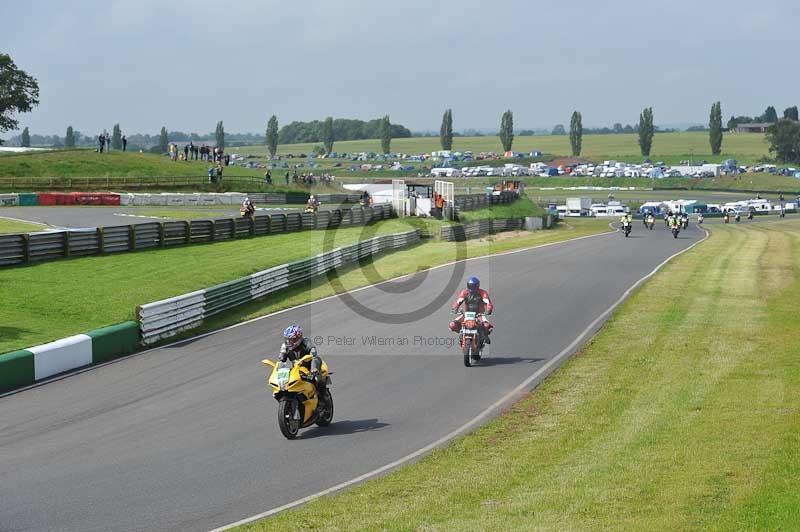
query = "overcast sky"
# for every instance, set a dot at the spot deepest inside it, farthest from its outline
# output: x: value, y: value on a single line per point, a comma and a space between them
x: 188, y: 64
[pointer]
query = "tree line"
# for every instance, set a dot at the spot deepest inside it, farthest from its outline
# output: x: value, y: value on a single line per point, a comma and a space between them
x: 20, y: 94
x: 341, y: 129
x: 769, y: 116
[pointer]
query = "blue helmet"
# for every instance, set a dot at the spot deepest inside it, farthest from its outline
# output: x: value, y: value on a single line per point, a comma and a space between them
x: 293, y: 335
x: 473, y: 283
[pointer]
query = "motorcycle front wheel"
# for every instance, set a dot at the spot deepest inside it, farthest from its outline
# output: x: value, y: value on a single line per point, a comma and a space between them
x: 467, y: 350
x: 326, y: 415
x: 286, y: 422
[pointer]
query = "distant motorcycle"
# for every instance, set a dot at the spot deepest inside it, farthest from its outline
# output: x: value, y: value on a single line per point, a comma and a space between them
x: 626, y: 228
x: 675, y: 230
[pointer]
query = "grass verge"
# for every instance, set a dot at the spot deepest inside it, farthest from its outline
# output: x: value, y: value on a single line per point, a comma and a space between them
x: 8, y: 225
x: 519, y: 209
x: 677, y: 416
x: 57, y: 299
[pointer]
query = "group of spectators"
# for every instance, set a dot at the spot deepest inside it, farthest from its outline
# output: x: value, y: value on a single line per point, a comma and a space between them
x: 104, y: 141
x: 194, y: 153
x: 309, y: 179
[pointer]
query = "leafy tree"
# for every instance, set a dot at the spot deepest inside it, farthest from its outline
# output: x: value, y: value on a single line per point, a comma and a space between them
x: 220, y: 135
x: 715, y: 128
x: 446, y: 131
x: 386, y: 134
x: 770, y: 115
x: 116, y: 137
x: 272, y: 135
x: 790, y: 113
x: 618, y: 128
x: 69, y: 140
x: 163, y: 140
x: 576, y: 133
x: 507, y: 130
x: 646, y: 131
x: 26, y: 138
x: 559, y: 130
x: 784, y: 140
x: 19, y: 93
x: 628, y: 129
x: 327, y: 134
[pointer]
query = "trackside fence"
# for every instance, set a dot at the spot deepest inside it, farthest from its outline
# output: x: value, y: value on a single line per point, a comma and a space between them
x: 31, y: 248
x: 168, y: 317
x: 472, y: 202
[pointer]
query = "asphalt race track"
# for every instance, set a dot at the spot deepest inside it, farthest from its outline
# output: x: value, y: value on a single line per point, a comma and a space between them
x: 186, y: 437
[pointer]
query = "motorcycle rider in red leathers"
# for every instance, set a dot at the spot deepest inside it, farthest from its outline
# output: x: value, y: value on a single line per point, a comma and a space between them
x: 474, y: 300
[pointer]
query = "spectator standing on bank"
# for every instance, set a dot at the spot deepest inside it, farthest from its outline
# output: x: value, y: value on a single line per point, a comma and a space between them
x: 124, y: 143
x: 287, y: 177
x: 219, y: 171
x: 211, y: 174
x: 185, y: 152
x: 268, y: 177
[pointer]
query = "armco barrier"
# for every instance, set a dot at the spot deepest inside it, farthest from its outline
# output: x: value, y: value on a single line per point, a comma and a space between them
x: 166, y: 318
x: 26, y: 366
x: 39, y: 247
x: 461, y: 232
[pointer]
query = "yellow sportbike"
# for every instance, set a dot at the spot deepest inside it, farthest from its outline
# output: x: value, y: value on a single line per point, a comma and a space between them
x: 299, y: 404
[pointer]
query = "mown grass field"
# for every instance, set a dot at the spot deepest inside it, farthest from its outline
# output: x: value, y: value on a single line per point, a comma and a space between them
x: 14, y: 226
x: 682, y: 414
x: 668, y: 147
x: 56, y: 299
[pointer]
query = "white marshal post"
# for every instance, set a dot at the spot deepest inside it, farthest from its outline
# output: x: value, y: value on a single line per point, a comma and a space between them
x: 446, y: 189
x: 399, y: 197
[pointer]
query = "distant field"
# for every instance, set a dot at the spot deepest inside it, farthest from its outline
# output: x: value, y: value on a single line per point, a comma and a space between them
x: 670, y: 147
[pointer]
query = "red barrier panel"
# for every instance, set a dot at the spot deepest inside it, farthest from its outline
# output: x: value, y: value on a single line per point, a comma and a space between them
x: 64, y: 199
x: 47, y: 198
x: 87, y: 198
x: 78, y: 198
x: 109, y: 199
